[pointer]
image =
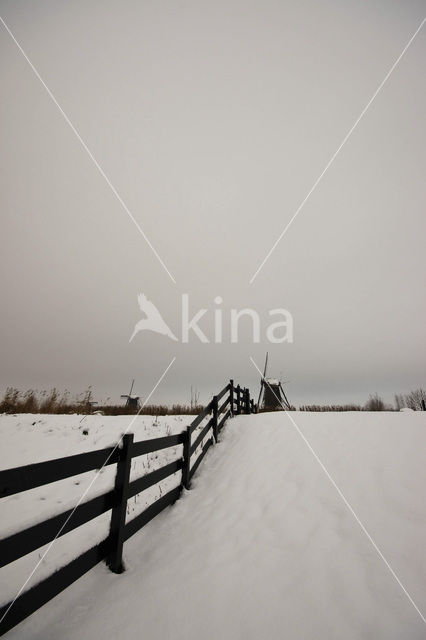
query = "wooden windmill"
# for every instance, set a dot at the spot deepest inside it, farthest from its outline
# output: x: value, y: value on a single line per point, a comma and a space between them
x: 274, y: 397
x: 132, y: 402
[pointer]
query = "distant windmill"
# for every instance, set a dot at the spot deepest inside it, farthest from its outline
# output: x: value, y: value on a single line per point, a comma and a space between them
x: 132, y: 402
x: 87, y: 401
x: 274, y: 397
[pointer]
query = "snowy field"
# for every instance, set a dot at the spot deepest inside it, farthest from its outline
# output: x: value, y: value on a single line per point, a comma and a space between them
x: 262, y: 547
x: 26, y: 438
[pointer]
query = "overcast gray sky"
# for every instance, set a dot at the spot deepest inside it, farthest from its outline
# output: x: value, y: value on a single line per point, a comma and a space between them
x: 213, y: 120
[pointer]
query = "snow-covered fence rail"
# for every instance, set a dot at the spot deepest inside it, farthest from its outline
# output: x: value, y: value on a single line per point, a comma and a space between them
x: 196, y: 440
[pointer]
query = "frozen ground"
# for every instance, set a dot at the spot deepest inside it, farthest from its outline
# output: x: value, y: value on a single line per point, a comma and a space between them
x: 262, y: 547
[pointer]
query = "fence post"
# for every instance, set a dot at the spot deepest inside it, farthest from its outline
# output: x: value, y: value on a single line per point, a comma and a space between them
x: 118, y: 514
x: 231, y: 396
x: 238, y: 400
x: 214, y: 410
x: 248, y: 401
x: 186, y: 459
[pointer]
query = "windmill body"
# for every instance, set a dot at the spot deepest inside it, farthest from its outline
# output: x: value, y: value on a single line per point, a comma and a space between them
x: 272, y: 393
x: 132, y: 401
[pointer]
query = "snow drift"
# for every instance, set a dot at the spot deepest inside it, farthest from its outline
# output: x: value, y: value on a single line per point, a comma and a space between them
x: 263, y: 545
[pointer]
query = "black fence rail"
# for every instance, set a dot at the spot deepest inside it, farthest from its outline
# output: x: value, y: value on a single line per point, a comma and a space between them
x: 196, y: 440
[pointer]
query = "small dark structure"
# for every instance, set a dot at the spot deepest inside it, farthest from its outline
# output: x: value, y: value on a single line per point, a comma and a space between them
x: 274, y: 397
x: 132, y: 402
x: 87, y: 402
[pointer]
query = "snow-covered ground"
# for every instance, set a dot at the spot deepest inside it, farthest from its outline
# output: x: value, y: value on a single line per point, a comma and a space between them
x: 263, y: 546
x: 29, y: 438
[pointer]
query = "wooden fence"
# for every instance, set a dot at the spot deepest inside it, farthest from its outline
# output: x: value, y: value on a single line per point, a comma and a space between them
x: 230, y: 401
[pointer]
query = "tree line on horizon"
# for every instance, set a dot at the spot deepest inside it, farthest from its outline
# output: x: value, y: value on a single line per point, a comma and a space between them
x: 54, y: 402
